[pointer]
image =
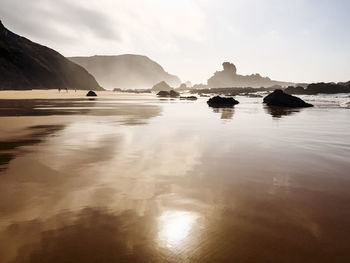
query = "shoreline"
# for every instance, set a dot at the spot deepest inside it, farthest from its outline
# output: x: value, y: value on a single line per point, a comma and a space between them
x: 55, y: 94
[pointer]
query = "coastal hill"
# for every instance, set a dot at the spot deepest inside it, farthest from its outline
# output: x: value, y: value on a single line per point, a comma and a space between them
x: 228, y: 77
x: 27, y: 65
x: 126, y: 71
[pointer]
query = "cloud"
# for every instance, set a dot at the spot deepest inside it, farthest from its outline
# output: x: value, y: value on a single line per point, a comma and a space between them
x: 189, y: 38
x: 56, y: 20
x: 106, y: 26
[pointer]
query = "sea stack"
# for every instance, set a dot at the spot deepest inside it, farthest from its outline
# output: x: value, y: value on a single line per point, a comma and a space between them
x: 282, y: 99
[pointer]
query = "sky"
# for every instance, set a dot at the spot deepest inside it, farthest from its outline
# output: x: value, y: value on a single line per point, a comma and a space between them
x: 297, y: 41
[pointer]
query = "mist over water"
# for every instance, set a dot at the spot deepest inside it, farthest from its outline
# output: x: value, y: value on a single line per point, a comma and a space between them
x: 141, y: 179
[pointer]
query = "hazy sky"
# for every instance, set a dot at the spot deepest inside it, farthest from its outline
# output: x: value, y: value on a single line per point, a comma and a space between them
x: 299, y: 40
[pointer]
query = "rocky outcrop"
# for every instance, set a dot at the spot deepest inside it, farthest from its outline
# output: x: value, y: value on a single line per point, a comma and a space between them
x: 228, y: 77
x: 320, y: 88
x: 218, y: 102
x: 126, y: 71
x: 91, y: 94
x: 174, y: 94
x: 171, y: 94
x: 161, y: 86
x: 182, y: 87
x: 295, y: 90
x: 327, y: 88
x: 163, y: 93
x: 282, y: 99
x: 188, y: 98
x: 27, y: 65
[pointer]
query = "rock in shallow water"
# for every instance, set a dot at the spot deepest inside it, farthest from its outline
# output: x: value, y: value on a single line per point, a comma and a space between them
x: 172, y: 94
x: 163, y: 93
x: 219, y: 102
x: 282, y: 99
x: 91, y: 94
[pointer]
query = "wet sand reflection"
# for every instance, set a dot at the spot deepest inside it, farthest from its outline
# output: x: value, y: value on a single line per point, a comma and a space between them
x: 279, y: 112
x: 9, y: 149
x: 226, y: 113
x: 171, y: 182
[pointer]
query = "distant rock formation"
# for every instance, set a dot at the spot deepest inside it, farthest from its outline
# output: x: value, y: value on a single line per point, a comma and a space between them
x: 126, y: 71
x: 344, y: 83
x: 218, y: 102
x: 171, y: 94
x: 282, y: 99
x: 163, y: 93
x: 295, y: 90
x: 199, y: 86
x: 174, y: 94
x: 188, y: 84
x: 228, y: 77
x: 188, y: 98
x: 182, y: 87
x: 318, y: 88
x: 91, y: 94
x: 230, y: 91
x: 161, y: 86
x: 27, y: 65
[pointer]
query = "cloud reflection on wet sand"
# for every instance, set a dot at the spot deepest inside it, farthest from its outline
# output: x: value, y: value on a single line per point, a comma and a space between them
x: 185, y: 186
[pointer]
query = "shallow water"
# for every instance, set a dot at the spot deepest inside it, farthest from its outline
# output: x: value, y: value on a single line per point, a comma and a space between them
x: 150, y: 180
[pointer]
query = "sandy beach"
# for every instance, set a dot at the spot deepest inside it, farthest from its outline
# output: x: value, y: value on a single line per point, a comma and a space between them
x: 133, y: 176
x: 55, y: 94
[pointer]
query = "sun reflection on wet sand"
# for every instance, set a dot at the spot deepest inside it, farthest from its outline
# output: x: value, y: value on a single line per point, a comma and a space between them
x: 172, y: 182
x: 175, y: 227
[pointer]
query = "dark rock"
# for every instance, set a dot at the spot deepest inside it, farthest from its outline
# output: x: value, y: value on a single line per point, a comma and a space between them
x: 188, y: 98
x: 171, y: 94
x: 91, y: 94
x: 281, y: 99
x: 219, y: 102
x: 28, y: 65
x: 161, y: 86
x: 326, y: 88
x: 295, y: 90
x: 320, y: 88
x: 163, y: 93
x: 174, y: 94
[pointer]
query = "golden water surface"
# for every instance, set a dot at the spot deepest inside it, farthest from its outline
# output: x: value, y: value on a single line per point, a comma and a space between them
x: 139, y: 179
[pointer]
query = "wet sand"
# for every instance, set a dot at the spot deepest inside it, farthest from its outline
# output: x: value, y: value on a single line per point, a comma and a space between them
x: 134, y: 178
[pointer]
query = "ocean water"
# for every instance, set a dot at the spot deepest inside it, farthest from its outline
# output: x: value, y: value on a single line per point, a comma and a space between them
x: 143, y: 179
